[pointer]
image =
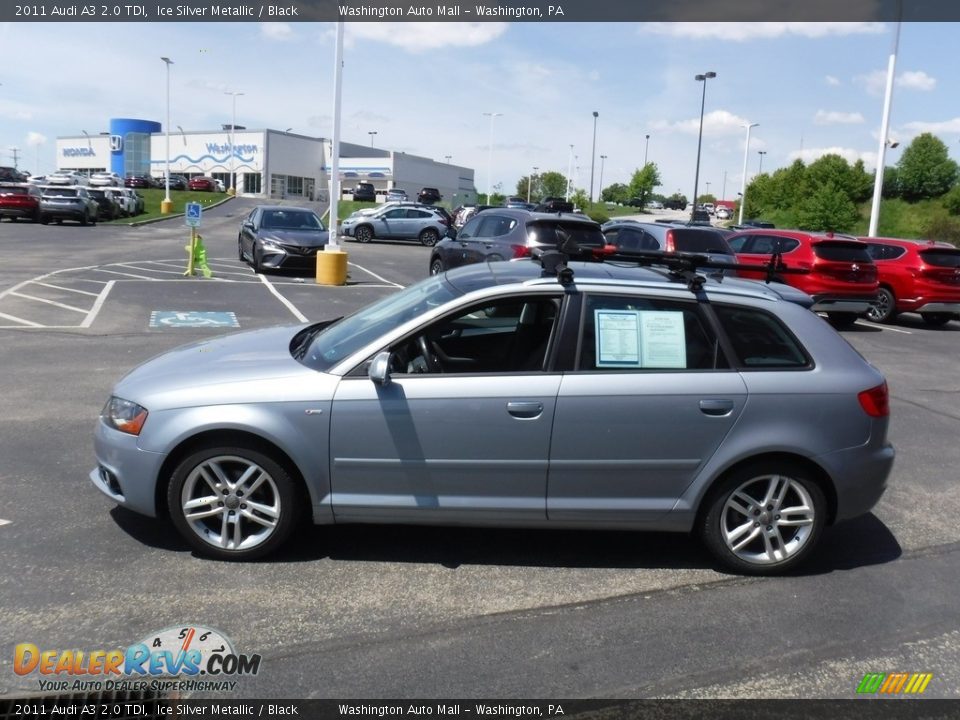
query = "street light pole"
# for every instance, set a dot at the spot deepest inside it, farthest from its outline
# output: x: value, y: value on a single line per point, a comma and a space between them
x: 530, y: 182
x: 593, y: 153
x: 569, y: 173
x: 448, y: 158
x: 233, y: 138
x: 646, y: 146
x: 602, y: 158
x: 885, y: 128
x: 371, y: 133
x: 743, y: 182
x: 491, y: 115
x: 703, y: 100
x: 761, y: 153
x: 166, y: 207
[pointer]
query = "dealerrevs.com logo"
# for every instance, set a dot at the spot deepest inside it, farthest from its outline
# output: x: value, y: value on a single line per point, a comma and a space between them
x: 184, y: 652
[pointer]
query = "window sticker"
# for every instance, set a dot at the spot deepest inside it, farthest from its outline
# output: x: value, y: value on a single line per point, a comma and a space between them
x: 640, y: 339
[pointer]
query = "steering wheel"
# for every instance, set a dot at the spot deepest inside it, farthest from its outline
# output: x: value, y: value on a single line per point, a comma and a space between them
x: 433, y: 363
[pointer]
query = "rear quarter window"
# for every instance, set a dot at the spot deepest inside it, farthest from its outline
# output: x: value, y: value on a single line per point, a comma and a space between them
x: 885, y: 252
x: 760, y: 340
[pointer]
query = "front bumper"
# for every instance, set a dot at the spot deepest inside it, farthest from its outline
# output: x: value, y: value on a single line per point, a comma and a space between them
x: 125, y: 473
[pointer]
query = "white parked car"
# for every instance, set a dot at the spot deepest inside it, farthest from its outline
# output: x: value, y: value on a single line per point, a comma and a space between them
x: 106, y: 179
x: 67, y: 178
x: 219, y: 184
x: 126, y: 199
x: 722, y: 213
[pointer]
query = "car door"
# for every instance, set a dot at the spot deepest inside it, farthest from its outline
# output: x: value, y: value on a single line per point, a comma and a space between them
x: 646, y: 406
x: 466, y: 438
x: 248, y: 231
x: 458, y: 252
x: 488, y: 242
x: 391, y: 224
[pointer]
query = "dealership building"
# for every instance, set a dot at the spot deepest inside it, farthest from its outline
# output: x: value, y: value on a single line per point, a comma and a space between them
x: 264, y: 163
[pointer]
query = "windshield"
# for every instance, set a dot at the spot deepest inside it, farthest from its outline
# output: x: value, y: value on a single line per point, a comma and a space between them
x: 352, y: 333
x: 286, y: 220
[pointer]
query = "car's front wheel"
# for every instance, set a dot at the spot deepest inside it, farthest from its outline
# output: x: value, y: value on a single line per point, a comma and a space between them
x: 233, y: 503
x: 884, y: 308
x: 429, y: 237
x: 363, y: 234
x: 763, y: 519
x: 436, y: 266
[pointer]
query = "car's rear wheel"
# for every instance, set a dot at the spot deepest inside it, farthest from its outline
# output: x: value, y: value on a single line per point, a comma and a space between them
x: 763, y: 519
x: 84, y: 219
x: 436, y: 266
x: 233, y: 503
x: 936, y: 319
x: 884, y: 308
x: 44, y: 220
x: 842, y: 319
x: 363, y: 234
x: 429, y: 237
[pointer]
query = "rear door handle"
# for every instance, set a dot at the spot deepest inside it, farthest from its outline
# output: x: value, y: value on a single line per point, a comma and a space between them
x: 716, y: 407
x: 525, y: 410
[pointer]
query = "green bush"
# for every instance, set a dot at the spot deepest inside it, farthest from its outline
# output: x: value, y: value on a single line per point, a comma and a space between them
x: 951, y: 201
x: 943, y: 228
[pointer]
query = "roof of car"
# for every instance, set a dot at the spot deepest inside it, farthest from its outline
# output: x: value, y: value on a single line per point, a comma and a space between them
x: 909, y: 242
x: 478, y: 276
x: 533, y: 216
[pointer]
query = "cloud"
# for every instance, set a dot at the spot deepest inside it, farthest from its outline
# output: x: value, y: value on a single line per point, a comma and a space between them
x: 832, y: 81
x: 739, y: 32
x: 716, y: 122
x: 808, y: 155
x: 832, y: 117
x: 943, y: 127
x: 35, y: 138
x: 876, y: 82
x: 417, y: 37
x: 279, y: 31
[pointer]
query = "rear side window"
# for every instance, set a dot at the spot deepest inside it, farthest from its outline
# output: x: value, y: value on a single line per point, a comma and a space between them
x: 759, y: 339
x: 627, y: 238
x: 496, y: 226
x: 885, y: 252
x: 768, y: 244
x: 632, y: 333
x: 841, y: 252
x: 700, y: 241
x: 552, y: 233
x: 941, y: 258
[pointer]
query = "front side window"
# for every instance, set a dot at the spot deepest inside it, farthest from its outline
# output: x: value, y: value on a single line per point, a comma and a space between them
x: 636, y: 333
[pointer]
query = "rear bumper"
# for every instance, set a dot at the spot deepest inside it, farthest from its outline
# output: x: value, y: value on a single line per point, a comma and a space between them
x: 843, y: 304
x: 859, y: 476
x: 938, y: 307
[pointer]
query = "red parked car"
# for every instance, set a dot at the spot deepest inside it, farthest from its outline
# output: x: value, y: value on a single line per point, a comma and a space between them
x: 202, y: 183
x: 841, y: 276
x: 20, y: 201
x: 920, y: 276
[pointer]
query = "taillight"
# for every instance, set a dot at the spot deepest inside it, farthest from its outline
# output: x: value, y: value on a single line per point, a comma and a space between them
x: 876, y: 401
x: 670, y: 244
x: 520, y: 251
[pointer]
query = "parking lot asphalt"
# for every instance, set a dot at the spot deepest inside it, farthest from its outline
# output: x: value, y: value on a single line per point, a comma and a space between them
x: 375, y: 611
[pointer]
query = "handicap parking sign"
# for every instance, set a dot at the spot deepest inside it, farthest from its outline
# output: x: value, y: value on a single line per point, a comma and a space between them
x: 194, y: 210
x: 192, y: 318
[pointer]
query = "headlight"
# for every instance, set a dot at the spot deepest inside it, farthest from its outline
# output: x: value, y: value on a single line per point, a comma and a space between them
x: 124, y: 415
x: 271, y: 245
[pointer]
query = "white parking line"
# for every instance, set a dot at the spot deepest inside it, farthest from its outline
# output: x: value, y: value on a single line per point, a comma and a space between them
x: 5, y: 522
x: 378, y: 277
x: 98, y: 303
x: 882, y: 327
x: 50, y: 302
x: 57, y: 287
x: 25, y: 323
x: 290, y: 306
x: 139, y: 277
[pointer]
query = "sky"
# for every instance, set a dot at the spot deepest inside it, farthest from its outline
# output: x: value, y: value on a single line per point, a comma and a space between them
x: 423, y: 88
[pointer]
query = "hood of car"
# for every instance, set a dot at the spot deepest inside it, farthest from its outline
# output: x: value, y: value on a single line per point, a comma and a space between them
x: 251, y: 366
x: 299, y: 238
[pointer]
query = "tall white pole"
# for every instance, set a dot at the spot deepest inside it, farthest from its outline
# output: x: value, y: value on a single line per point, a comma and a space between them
x: 333, y: 243
x: 884, y: 130
x: 233, y: 137
x: 569, y: 174
x: 491, y: 115
x: 167, y: 205
x: 743, y: 182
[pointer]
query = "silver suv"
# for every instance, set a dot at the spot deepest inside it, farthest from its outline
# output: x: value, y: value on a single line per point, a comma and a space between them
x: 502, y: 394
x: 71, y: 202
x: 397, y: 222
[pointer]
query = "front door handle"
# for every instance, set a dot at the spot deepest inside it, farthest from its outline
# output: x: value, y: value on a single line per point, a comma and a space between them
x: 716, y: 408
x: 525, y: 410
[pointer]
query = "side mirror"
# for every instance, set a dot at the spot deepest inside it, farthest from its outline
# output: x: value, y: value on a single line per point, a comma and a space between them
x: 379, y: 370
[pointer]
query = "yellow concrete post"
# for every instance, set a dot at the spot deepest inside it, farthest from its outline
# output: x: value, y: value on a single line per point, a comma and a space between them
x: 332, y: 266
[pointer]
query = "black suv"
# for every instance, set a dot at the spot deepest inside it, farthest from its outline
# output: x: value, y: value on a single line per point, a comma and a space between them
x: 506, y: 233
x: 668, y: 238
x: 429, y: 196
x: 365, y: 192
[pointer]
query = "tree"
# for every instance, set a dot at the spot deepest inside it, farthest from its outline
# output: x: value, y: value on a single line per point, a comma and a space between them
x: 925, y: 170
x: 828, y: 208
x: 579, y: 199
x: 617, y: 192
x: 951, y: 201
x: 643, y: 182
x: 553, y: 184
x: 533, y: 184
x: 706, y: 198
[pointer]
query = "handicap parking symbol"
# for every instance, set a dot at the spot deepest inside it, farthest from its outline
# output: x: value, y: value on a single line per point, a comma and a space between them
x: 192, y: 318
x: 193, y: 214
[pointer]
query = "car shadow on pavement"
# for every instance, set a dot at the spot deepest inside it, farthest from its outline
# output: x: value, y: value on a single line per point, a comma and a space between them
x: 855, y: 543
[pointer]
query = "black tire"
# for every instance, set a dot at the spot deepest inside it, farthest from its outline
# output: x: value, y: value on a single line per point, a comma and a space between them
x: 263, y: 519
x: 436, y: 266
x: 240, y: 250
x: 84, y: 220
x: 884, y: 310
x: 255, y: 263
x: 363, y: 234
x: 937, y: 319
x: 842, y: 319
x: 429, y: 237
x: 736, y: 505
x: 44, y: 220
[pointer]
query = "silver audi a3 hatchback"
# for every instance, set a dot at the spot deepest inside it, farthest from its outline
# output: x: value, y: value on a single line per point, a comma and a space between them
x: 499, y: 394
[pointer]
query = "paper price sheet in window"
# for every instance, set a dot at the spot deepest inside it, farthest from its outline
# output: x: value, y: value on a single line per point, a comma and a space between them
x: 640, y: 339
